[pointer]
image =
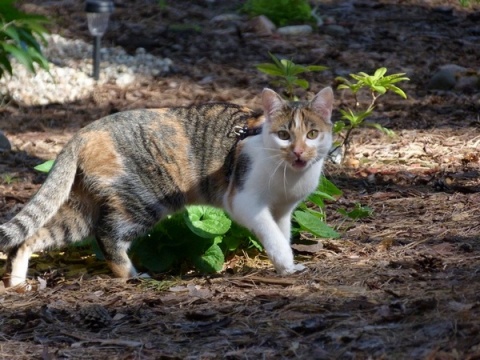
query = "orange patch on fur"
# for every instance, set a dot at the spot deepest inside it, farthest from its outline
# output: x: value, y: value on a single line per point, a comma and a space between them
x: 255, y: 122
x: 122, y: 271
x: 181, y: 168
x: 98, y: 156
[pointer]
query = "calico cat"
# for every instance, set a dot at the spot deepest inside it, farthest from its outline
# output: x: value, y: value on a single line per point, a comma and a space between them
x: 121, y: 174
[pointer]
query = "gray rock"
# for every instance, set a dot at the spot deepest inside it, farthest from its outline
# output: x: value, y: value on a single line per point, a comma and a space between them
x: 445, y: 77
x: 295, y: 30
x: 455, y: 77
x: 262, y: 25
x: 4, y: 143
x: 226, y: 18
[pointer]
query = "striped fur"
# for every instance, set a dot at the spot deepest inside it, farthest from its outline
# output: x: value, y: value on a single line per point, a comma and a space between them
x: 121, y: 174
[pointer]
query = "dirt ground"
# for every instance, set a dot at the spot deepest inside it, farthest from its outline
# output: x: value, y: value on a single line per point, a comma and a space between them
x: 403, y: 283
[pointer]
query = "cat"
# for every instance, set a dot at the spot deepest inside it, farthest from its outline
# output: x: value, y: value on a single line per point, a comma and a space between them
x: 121, y: 174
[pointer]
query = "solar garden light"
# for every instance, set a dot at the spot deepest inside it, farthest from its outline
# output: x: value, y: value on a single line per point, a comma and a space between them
x: 98, y: 13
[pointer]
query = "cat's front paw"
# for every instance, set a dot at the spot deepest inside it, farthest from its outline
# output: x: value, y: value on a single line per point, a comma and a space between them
x: 295, y: 268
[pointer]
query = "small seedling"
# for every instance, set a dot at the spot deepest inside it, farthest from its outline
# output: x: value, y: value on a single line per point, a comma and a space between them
x: 353, y: 117
x: 287, y: 74
x: 8, y: 179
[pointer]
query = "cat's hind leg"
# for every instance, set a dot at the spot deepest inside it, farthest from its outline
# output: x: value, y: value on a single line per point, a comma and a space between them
x: 69, y: 225
x: 114, y: 233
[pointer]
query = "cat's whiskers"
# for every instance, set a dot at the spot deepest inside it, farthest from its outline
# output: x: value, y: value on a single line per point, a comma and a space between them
x: 285, y: 180
x: 269, y: 158
x: 274, y: 171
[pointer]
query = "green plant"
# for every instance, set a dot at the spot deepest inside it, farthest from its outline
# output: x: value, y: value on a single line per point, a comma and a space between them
x: 45, y: 166
x: 287, y: 74
x: 281, y: 12
x: 200, y: 237
x: 354, y: 116
x: 312, y: 219
x: 8, y: 179
x: 18, y: 38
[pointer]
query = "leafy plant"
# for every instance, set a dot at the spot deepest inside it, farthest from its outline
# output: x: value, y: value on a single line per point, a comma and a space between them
x: 18, y: 38
x: 288, y: 73
x: 314, y: 220
x: 8, y: 179
x: 45, y: 166
x: 281, y: 12
x: 353, y: 117
x: 359, y: 212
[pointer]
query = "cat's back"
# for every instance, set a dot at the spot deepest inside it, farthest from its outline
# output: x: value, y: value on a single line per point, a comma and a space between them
x: 198, y: 122
x: 187, y: 147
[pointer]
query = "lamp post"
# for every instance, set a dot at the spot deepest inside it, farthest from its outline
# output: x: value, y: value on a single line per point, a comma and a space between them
x: 98, y: 13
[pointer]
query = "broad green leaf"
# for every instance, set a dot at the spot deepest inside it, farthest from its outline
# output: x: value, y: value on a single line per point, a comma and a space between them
x: 270, y: 69
x: 318, y: 214
x: 394, y: 78
x: 379, y: 89
x: 338, y: 126
x: 38, y: 58
x: 342, y: 86
x: 12, y: 32
x: 207, y: 222
x: 255, y: 243
x: 234, y: 238
x: 302, y: 83
x: 211, y: 261
x: 316, y: 67
x: 323, y: 195
x: 397, y: 91
x: 359, y: 212
x: 231, y: 243
x: 328, y: 187
x: 385, y: 130
x: 21, y: 56
x: 359, y: 76
x: 380, y: 72
x: 45, y: 167
x: 314, y: 225
x: 29, y: 39
x: 152, y: 255
x: 316, y: 199
x: 173, y: 231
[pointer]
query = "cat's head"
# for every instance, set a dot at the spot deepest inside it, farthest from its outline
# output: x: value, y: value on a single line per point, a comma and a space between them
x: 299, y: 131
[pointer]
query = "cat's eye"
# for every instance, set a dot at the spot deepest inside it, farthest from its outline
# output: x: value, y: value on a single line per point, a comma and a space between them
x: 283, y: 135
x: 312, y: 134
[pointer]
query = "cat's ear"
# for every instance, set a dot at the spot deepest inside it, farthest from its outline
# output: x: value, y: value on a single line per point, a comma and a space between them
x: 272, y: 102
x: 322, y: 103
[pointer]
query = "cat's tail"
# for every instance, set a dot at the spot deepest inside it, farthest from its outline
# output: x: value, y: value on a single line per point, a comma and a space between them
x: 46, y: 202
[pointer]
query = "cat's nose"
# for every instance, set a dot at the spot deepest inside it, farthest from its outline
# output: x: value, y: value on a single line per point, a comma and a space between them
x: 298, y: 152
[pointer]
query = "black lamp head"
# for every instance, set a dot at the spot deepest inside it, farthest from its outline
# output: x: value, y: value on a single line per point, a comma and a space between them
x: 99, y: 6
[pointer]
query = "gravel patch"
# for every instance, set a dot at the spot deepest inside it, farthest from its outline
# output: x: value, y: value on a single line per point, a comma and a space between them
x: 69, y: 78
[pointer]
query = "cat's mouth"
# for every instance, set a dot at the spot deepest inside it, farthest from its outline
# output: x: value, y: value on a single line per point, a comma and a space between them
x: 299, y: 164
